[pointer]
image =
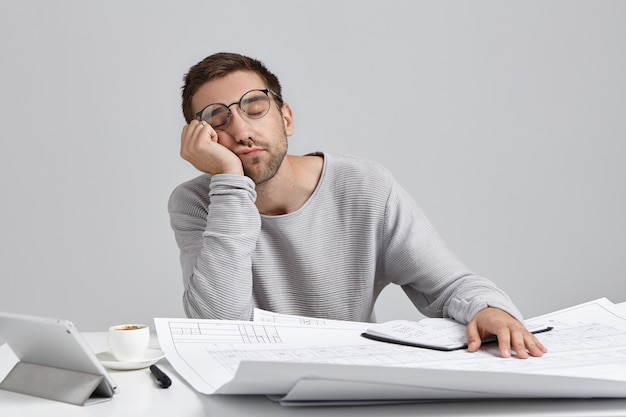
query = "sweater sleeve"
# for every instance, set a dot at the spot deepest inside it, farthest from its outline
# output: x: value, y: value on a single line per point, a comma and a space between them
x: 216, y: 231
x: 437, y: 283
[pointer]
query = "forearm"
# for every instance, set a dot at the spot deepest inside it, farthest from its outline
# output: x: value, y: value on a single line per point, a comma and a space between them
x: 216, y: 251
x: 220, y: 286
x: 431, y: 275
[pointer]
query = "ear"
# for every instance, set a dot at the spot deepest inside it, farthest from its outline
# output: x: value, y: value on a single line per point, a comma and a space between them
x: 287, y: 118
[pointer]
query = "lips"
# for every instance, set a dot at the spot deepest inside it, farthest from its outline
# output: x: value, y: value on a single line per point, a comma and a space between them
x: 249, y: 151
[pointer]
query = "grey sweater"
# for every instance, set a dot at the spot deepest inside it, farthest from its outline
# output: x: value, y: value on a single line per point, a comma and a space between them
x: 357, y: 233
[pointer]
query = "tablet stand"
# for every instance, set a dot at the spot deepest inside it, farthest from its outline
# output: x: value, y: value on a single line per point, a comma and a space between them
x: 53, y: 383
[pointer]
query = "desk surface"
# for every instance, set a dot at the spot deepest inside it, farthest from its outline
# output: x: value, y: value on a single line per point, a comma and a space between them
x: 140, y: 395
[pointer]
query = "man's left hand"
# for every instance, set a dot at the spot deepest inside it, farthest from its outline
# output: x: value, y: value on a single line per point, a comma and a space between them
x: 512, y: 335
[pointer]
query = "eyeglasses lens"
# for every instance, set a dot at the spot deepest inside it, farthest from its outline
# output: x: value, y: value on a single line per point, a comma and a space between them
x: 255, y: 104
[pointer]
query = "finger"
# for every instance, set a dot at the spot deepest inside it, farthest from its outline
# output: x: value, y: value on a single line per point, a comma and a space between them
x: 473, y: 338
x: 518, y: 344
x: 212, y: 133
x: 189, y: 130
x: 504, y: 343
x: 194, y: 126
x: 190, y: 139
x: 535, y: 347
x: 194, y: 134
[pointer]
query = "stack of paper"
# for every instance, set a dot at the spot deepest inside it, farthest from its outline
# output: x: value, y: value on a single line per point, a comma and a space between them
x: 302, y: 360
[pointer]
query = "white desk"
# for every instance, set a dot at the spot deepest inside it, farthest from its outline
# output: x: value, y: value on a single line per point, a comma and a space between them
x: 141, y: 396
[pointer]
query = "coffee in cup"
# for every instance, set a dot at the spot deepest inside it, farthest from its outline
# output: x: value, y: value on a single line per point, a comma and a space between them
x: 129, y: 342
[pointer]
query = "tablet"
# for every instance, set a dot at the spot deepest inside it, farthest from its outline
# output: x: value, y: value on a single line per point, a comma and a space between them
x: 54, y: 343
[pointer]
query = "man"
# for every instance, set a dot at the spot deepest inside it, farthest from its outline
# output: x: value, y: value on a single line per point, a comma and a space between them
x: 318, y: 235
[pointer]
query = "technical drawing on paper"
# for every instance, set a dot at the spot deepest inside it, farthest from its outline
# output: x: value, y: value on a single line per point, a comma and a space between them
x: 197, y: 332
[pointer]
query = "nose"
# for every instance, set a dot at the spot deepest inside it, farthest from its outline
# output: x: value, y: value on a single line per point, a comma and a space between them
x: 239, y: 127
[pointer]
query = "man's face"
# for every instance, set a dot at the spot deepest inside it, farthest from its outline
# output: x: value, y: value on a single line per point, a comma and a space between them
x: 260, y: 144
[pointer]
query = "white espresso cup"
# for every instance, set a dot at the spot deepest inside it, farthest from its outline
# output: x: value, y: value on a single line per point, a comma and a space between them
x: 129, y: 342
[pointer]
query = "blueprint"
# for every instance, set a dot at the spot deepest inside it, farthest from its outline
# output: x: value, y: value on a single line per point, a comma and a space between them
x: 307, y: 359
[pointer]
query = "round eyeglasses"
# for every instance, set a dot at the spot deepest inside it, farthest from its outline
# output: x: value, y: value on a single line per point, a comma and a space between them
x: 254, y: 104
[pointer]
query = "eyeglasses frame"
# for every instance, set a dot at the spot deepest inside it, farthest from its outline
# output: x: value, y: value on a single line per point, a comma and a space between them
x: 266, y: 91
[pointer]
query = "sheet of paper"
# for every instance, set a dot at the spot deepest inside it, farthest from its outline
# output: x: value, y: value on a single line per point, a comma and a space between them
x: 236, y: 357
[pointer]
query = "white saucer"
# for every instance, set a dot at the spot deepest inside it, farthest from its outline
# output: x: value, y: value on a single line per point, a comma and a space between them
x: 152, y: 356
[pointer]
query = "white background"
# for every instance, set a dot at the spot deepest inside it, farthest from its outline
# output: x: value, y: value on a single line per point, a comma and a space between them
x: 506, y: 120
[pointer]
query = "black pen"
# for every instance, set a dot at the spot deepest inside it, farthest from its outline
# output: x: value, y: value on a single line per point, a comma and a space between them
x: 160, y: 376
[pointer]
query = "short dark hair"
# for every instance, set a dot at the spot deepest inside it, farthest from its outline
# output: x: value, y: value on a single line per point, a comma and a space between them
x: 217, y: 66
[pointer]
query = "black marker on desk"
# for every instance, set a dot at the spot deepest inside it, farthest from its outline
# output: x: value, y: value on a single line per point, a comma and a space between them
x: 160, y: 376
